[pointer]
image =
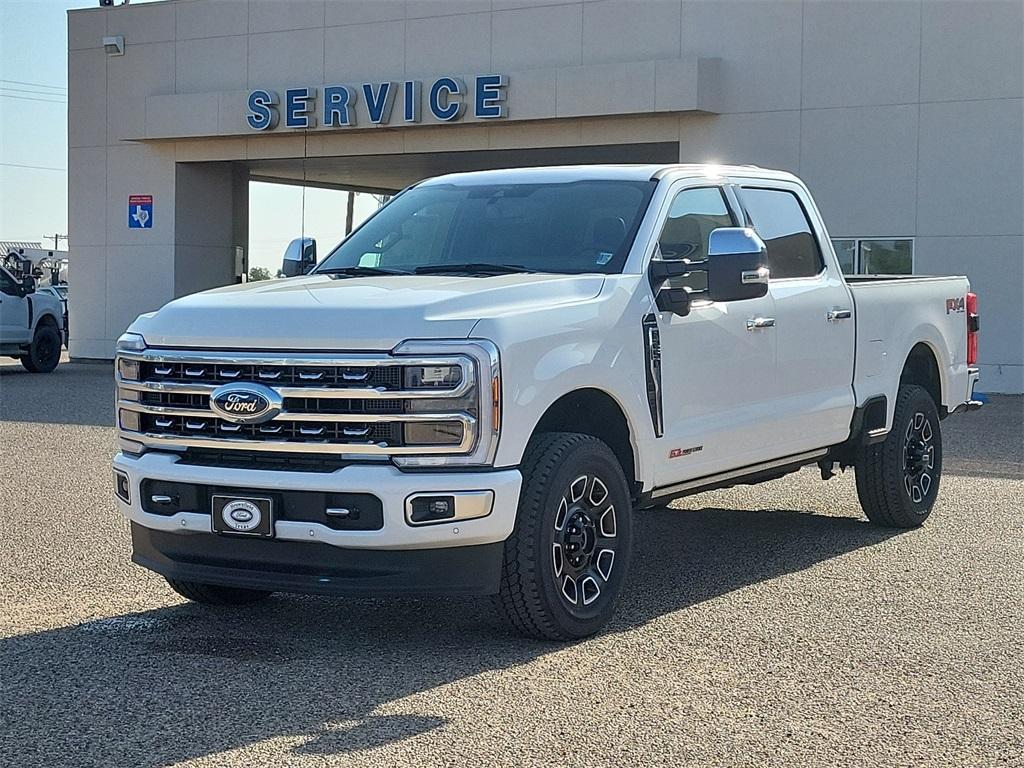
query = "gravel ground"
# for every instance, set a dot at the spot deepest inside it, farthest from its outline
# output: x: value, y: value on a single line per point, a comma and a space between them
x: 765, y: 626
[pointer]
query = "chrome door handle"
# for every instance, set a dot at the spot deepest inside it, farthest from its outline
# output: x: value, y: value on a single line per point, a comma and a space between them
x: 838, y: 314
x: 760, y: 322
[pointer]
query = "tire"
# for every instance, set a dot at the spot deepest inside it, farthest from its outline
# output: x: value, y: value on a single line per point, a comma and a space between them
x: 211, y: 594
x: 44, y: 352
x: 898, y: 479
x: 567, y: 558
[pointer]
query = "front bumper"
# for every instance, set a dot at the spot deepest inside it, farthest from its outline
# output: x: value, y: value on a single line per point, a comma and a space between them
x: 306, y: 556
x: 317, y: 569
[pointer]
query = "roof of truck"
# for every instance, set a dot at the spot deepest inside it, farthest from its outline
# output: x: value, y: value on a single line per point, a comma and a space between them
x: 567, y: 173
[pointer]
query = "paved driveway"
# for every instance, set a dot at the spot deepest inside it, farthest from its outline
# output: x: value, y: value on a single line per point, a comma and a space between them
x: 765, y: 626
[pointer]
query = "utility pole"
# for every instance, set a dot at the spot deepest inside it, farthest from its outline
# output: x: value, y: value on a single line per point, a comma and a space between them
x: 56, y: 239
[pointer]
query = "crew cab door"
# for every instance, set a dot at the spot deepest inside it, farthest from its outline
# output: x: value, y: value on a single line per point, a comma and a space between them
x: 814, y: 326
x: 13, y: 311
x: 717, y: 370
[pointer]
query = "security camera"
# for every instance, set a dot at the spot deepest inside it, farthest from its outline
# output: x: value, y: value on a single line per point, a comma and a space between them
x: 106, y: 3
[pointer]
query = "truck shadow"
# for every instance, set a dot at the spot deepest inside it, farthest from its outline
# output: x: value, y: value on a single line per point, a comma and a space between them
x: 168, y: 685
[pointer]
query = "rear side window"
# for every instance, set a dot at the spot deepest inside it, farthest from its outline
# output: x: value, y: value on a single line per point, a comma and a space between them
x: 780, y: 220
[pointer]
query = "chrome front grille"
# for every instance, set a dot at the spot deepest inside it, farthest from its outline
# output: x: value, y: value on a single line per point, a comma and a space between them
x: 346, y: 404
x: 331, y: 432
x: 351, y: 376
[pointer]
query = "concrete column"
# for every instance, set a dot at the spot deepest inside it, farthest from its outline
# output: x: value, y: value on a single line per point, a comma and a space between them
x: 211, y: 219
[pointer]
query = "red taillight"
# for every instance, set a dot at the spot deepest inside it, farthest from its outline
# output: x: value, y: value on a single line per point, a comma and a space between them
x: 973, y: 325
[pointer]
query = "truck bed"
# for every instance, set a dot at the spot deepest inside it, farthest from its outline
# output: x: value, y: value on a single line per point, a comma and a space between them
x: 894, y: 313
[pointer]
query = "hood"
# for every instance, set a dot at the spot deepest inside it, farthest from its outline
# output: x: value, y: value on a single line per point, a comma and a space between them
x: 319, y: 312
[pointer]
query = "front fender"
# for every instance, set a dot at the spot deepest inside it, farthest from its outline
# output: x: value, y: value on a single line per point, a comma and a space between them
x: 551, y: 352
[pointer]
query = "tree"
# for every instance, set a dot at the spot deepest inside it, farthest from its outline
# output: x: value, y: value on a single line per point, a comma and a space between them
x: 259, y: 273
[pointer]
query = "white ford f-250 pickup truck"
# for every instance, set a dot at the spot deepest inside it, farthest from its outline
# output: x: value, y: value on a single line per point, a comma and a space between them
x: 475, y: 391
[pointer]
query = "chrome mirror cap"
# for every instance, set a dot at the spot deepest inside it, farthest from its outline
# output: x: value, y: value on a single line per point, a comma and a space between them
x: 726, y: 241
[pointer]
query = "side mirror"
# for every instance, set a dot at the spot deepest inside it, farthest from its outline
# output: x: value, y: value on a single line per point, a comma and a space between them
x: 737, y: 265
x: 28, y: 285
x: 299, y: 257
x: 669, y: 299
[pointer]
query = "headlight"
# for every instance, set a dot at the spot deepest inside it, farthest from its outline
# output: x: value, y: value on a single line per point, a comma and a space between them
x: 434, y: 433
x: 129, y: 369
x: 131, y: 342
x: 432, y: 376
x: 477, y: 384
x: 129, y: 420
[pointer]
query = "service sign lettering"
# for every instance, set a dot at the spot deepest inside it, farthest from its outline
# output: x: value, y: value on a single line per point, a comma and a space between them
x: 382, y: 103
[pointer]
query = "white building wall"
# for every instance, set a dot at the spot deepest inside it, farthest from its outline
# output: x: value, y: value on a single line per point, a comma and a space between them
x: 904, y: 118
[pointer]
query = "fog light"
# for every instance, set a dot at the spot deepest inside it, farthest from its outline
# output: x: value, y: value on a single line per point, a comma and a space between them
x: 129, y: 420
x: 121, y: 486
x: 429, y: 509
x: 433, y: 433
x: 129, y: 369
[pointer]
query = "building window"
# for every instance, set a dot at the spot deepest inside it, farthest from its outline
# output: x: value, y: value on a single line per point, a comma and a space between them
x: 875, y: 256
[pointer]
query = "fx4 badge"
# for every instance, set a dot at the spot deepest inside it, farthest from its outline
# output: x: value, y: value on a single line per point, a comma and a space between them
x: 955, y: 305
x: 675, y: 453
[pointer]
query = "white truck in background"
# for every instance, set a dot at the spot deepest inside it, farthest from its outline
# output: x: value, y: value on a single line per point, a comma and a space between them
x: 479, y: 387
x: 33, y: 322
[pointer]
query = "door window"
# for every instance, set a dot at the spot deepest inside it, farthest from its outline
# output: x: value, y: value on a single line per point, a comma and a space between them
x: 691, y: 218
x: 780, y: 220
x: 8, y: 284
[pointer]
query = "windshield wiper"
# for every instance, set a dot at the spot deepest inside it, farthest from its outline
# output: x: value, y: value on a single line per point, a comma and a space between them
x: 472, y: 268
x: 360, y: 271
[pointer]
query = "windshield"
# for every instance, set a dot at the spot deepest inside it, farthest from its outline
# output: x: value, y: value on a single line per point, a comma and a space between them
x: 574, y: 227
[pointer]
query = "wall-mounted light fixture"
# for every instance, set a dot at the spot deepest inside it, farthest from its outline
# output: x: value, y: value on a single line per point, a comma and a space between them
x: 114, y: 46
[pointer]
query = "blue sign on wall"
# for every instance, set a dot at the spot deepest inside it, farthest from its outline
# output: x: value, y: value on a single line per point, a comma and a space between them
x: 140, y: 211
x: 335, y: 106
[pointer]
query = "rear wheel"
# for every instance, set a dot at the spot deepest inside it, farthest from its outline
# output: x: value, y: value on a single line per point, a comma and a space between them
x: 566, y: 560
x: 898, y: 479
x: 44, y: 352
x: 212, y: 594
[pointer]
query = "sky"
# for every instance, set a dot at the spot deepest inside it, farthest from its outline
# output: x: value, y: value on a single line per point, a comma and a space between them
x: 33, y: 147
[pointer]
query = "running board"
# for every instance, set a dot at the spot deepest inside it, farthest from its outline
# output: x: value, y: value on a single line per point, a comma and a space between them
x: 706, y: 483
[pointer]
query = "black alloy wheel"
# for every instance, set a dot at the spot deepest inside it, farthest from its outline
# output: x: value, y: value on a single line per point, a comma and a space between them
x: 585, y: 542
x: 566, y: 561
x: 898, y: 478
x: 43, y: 354
x: 918, y: 457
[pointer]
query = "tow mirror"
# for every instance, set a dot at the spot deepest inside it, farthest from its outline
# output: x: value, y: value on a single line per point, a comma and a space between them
x: 737, y: 265
x: 669, y: 299
x: 299, y: 257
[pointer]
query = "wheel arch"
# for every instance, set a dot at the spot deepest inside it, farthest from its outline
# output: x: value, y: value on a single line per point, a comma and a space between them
x: 921, y: 367
x: 597, y: 413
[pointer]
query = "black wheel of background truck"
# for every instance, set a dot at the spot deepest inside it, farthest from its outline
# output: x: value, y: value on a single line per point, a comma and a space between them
x: 898, y: 479
x: 566, y: 560
x: 212, y: 594
x: 44, y: 352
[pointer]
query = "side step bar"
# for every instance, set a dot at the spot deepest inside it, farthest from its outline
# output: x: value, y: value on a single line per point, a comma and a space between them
x: 712, y: 481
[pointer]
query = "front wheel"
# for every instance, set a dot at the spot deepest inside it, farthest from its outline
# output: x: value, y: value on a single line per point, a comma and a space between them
x: 898, y: 479
x: 566, y: 560
x: 44, y: 352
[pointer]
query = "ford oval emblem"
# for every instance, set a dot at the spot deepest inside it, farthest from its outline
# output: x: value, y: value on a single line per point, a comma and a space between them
x: 245, y: 403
